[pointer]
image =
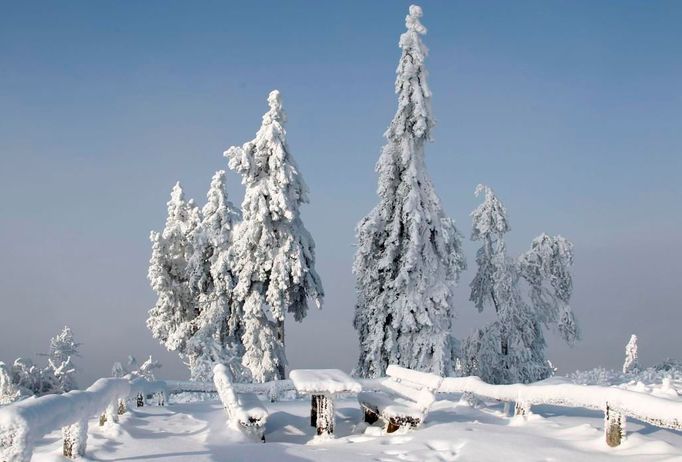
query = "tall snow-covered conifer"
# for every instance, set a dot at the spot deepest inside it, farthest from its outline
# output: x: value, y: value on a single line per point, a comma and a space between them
x: 409, y: 254
x: 171, y: 318
x: 273, y: 253
x: 216, y: 337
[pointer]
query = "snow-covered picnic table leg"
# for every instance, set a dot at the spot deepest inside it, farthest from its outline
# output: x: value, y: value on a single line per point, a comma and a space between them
x: 313, y: 410
x: 325, y: 415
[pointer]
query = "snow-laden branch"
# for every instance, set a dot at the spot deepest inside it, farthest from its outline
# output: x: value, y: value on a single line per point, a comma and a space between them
x: 657, y: 411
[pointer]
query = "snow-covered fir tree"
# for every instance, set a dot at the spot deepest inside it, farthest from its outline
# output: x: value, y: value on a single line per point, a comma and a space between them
x: 631, y: 363
x: 511, y: 348
x: 216, y: 330
x: 489, y: 226
x: 171, y: 318
x: 546, y: 268
x: 9, y: 391
x: 63, y: 350
x: 409, y: 254
x: 117, y: 370
x: 147, y: 369
x: 27, y: 376
x: 273, y: 254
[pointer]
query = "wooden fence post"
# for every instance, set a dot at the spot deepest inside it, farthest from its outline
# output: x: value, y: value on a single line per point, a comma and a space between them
x: 122, y: 408
x: 522, y: 408
x: 507, y: 408
x: 15, y: 444
x: 75, y: 439
x: 614, y: 426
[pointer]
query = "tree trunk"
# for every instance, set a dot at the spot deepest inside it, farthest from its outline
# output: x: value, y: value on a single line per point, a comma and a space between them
x: 280, y: 336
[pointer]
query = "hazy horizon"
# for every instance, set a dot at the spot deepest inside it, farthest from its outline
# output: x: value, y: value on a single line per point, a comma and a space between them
x: 571, y: 111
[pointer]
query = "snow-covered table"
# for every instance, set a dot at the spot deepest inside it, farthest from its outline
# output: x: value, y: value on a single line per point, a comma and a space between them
x: 323, y: 385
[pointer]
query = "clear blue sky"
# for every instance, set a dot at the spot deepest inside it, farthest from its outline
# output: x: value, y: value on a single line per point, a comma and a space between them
x: 571, y: 110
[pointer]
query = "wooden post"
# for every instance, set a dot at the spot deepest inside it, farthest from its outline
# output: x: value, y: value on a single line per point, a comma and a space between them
x: 15, y: 444
x: 313, y: 410
x: 111, y: 412
x: 521, y: 408
x: 392, y: 426
x: 122, y: 408
x: 325, y: 415
x: 614, y: 426
x: 370, y: 416
x: 75, y: 438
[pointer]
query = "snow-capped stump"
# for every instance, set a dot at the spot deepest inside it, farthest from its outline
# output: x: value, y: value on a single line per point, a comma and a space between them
x: 244, y: 410
x: 404, y: 399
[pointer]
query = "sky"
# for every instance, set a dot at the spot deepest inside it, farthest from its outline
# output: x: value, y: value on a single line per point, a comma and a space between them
x: 570, y: 110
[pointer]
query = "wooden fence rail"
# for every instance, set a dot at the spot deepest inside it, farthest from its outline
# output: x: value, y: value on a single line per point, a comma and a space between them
x: 616, y: 403
x: 23, y: 423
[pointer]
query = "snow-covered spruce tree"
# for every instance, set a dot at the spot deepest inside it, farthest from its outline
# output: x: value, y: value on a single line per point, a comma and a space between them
x: 511, y: 348
x: 27, y: 376
x: 9, y: 391
x: 546, y: 268
x: 63, y: 348
x: 117, y: 370
x: 216, y: 336
x: 409, y: 254
x: 147, y: 369
x: 273, y: 254
x: 171, y: 318
x: 631, y: 363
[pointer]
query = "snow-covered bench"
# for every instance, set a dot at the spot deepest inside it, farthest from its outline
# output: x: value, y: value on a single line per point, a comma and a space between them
x: 403, y: 400
x: 244, y: 410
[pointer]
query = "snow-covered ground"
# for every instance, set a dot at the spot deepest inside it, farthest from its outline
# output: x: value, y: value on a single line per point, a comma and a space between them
x: 453, y: 431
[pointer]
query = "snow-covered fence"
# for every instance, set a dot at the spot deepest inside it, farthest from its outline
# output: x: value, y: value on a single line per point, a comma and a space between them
x: 615, y: 402
x: 273, y: 389
x: 25, y: 422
